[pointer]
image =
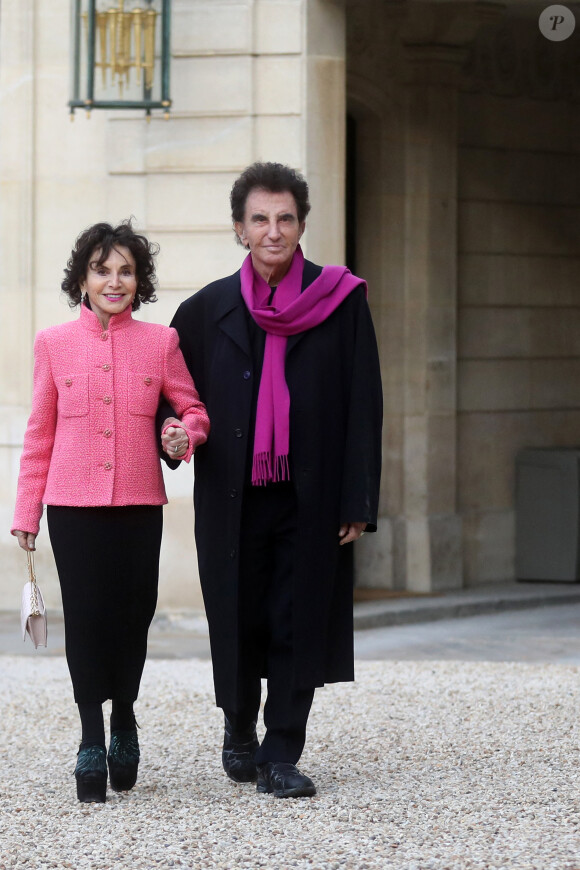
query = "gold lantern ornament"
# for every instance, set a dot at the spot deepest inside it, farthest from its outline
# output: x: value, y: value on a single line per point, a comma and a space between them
x: 121, y: 55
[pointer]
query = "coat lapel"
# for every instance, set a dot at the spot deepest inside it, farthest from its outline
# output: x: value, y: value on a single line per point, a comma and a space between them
x: 230, y: 314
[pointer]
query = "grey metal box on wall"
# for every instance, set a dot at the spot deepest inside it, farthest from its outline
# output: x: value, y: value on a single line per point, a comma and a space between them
x: 548, y: 514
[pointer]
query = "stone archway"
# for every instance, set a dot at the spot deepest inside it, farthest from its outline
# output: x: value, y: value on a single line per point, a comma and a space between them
x: 404, y: 63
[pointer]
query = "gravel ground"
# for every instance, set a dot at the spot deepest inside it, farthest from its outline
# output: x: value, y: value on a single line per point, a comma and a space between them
x: 419, y: 765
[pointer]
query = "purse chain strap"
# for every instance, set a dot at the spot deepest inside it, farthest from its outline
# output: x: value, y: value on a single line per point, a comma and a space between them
x: 34, y: 610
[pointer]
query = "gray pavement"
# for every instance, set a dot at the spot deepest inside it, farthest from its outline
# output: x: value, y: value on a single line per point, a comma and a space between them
x: 464, y: 602
x: 544, y: 634
x: 512, y: 622
x: 518, y: 622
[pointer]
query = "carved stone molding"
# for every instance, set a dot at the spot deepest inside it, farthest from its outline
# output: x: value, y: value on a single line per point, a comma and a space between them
x: 434, y: 64
x: 394, y: 41
x: 513, y: 59
x: 453, y: 23
x: 373, y: 38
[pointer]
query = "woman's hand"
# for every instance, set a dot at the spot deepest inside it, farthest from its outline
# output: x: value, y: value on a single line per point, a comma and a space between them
x: 26, y: 540
x: 175, y: 440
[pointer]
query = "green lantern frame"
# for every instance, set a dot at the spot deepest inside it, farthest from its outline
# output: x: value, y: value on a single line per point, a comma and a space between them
x: 88, y: 102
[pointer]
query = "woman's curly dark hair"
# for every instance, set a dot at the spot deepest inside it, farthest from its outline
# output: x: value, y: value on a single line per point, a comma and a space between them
x: 103, y: 237
x: 273, y: 177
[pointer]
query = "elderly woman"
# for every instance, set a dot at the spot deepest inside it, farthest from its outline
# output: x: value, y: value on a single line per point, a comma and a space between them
x: 90, y: 454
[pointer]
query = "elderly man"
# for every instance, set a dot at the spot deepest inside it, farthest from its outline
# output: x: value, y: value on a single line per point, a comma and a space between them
x: 284, y: 356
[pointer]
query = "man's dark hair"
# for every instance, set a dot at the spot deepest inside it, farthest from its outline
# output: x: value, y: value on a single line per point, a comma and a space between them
x: 273, y: 177
x: 104, y: 237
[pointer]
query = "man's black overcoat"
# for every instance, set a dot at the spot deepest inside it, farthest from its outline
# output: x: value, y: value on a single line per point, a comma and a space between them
x: 333, y: 376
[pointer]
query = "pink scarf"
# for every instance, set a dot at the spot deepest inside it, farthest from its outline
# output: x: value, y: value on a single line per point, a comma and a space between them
x: 293, y: 311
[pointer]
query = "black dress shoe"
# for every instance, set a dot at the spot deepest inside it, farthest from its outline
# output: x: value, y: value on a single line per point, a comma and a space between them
x: 239, y: 752
x: 283, y: 780
x: 123, y: 759
x: 91, y: 775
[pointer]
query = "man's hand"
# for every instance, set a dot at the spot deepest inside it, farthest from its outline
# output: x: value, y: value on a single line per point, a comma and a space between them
x: 26, y: 540
x: 175, y: 440
x: 351, y: 532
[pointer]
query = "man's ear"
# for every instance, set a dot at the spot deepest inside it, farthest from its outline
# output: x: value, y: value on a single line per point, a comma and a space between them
x: 301, y: 229
x: 240, y: 232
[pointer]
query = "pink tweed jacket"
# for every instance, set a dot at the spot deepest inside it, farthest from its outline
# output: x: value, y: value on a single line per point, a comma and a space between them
x: 91, y: 438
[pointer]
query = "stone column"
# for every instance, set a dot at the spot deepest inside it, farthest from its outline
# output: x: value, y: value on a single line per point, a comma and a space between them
x: 17, y: 171
x: 431, y: 527
x: 435, y: 40
x: 324, y: 91
x: 17, y: 91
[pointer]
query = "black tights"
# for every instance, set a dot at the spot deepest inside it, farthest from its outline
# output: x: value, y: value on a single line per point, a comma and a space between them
x: 93, y: 725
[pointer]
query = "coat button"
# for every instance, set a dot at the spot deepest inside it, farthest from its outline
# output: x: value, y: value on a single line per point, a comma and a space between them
x: 233, y: 493
x: 107, y: 433
x: 233, y: 554
x: 104, y: 336
x: 108, y: 465
x: 238, y: 433
x: 107, y: 400
x: 107, y: 368
x: 147, y: 381
x: 247, y: 375
x: 68, y: 382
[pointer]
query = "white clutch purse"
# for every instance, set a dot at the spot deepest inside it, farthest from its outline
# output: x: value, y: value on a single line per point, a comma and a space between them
x: 32, y: 609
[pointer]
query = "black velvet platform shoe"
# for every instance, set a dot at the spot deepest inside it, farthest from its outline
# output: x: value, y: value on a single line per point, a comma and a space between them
x: 123, y: 759
x: 91, y: 775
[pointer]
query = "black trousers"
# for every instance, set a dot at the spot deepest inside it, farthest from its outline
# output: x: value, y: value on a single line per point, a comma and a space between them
x: 267, y: 576
x: 108, y: 566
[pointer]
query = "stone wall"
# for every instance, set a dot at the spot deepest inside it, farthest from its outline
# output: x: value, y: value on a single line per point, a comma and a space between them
x: 251, y: 79
x: 404, y: 69
x: 467, y: 215
x: 518, y: 279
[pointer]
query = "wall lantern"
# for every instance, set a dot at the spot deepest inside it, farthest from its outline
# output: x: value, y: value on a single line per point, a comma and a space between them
x: 121, y: 55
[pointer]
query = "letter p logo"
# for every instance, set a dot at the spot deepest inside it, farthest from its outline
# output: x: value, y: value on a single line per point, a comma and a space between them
x: 557, y: 23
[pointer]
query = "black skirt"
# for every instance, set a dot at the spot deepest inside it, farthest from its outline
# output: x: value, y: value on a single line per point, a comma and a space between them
x: 108, y: 566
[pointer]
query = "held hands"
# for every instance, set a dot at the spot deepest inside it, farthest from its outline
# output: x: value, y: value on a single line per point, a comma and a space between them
x: 175, y: 443
x: 175, y: 440
x: 26, y: 540
x: 349, y: 532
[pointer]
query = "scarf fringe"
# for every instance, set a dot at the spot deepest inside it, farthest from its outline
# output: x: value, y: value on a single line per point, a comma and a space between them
x: 262, y: 469
x: 281, y: 468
